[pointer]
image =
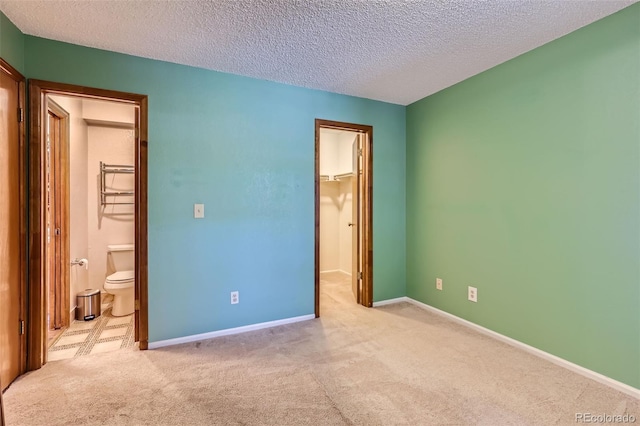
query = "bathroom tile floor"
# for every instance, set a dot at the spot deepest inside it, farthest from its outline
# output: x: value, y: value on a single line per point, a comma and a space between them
x: 103, y: 334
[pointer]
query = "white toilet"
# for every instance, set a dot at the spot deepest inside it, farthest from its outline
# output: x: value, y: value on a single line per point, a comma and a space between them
x: 120, y: 257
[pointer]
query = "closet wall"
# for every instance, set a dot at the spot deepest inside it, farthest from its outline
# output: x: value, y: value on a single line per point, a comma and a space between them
x: 335, y: 200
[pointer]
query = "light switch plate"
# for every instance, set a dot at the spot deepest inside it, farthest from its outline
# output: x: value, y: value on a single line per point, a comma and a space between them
x: 198, y: 211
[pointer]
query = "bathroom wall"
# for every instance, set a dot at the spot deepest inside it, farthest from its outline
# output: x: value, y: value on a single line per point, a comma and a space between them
x: 110, y: 140
x: 78, y: 213
x: 92, y: 227
x: 113, y: 112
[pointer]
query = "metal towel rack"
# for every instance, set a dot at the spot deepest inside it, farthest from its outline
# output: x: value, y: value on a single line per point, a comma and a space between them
x: 113, y: 168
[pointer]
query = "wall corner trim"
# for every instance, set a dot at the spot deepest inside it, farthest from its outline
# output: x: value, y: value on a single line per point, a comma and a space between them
x: 228, y: 331
x: 392, y: 301
x: 600, y: 378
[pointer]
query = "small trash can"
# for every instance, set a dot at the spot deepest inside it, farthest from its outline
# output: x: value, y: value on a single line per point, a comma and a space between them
x: 88, y: 302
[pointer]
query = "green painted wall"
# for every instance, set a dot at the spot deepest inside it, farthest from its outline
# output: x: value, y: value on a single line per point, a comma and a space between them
x: 524, y: 181
x: 11, y: 43
x: 244, y: 148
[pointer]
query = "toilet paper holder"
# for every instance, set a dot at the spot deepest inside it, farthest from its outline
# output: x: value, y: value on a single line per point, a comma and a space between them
x: 82, y: 262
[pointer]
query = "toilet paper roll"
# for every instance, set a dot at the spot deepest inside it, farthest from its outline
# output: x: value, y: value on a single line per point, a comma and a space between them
x: 84, y: 262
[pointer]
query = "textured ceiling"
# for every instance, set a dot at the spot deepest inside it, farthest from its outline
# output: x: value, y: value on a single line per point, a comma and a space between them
x: 389, y: 50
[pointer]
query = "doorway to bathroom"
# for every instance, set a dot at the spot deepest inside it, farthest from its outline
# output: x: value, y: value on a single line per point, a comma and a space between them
x: 88, y: 215
x: 343, y: 213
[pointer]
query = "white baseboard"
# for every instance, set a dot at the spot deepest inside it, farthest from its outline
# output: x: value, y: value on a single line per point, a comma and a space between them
x: 391, y: 301
x: 228, y: 331
x: 612, y: 383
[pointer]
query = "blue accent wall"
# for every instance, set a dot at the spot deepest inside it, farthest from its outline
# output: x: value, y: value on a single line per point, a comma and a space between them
x: 244, y: 148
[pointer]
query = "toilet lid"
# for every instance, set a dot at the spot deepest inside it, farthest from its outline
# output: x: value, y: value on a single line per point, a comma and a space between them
x: 121, y: 276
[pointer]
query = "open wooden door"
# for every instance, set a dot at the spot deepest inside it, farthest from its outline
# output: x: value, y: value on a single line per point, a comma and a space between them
x: 12, y: 227
x: 356, y: 220
x: 54, y: 229
x: 57, y: 215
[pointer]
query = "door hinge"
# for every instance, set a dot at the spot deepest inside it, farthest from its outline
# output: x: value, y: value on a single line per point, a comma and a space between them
x: 21, y: 327
x: 20, y: 115
x: 360, y: 152
x: 359, y: 275
x: 137, y: 305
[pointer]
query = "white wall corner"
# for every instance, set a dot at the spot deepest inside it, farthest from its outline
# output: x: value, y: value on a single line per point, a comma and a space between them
x: 391, y: 301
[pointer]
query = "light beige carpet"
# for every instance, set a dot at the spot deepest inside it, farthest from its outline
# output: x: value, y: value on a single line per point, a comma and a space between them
x: 394, y: 365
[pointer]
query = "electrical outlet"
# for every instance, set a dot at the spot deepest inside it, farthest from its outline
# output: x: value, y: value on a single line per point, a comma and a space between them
x: 235, y: 297
x: 472, y: 294
x: 439, y: 283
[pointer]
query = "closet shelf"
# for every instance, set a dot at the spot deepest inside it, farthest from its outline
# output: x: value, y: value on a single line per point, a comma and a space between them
x: 335, y: 178
x: 113, y: 169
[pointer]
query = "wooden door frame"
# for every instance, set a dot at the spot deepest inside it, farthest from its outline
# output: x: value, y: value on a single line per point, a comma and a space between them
x: 6, y: 68
x: 1, y: 407
x: 36, y: 326
x: 61, y: 195
x: 367, y: 273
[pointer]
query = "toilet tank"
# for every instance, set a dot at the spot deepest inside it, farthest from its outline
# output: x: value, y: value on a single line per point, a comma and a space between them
x: 121, y: 257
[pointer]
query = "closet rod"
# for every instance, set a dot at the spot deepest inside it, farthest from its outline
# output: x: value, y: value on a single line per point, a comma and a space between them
x: 343, y: 175
x: 334, y: 178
